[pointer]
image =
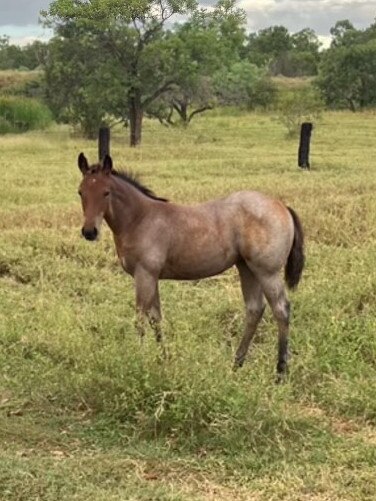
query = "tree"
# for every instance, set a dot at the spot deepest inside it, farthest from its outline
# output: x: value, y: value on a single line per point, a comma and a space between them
x: 343, y: 33
x: 305, y: 54
x: 82, y: 86
x: 15, y: 57
x: 244, y: 85
x: 228, y: 21
x: 283, y: 53
x: 34, y: 54
x: 347, y: 76
x: 10, y: 55
x: 159, y: 69
x: 306, y: 41
x: 205, y: 44
x: 132, y: 36
x: 184, y: 101
x: 268, y: 45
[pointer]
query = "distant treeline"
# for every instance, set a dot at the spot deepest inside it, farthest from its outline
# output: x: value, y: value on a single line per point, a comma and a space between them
x: 120, y: 61
x: 28, y: 57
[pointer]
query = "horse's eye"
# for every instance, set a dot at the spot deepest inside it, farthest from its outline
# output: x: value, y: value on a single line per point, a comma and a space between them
x: 106, y: 193
x: 80, y: 193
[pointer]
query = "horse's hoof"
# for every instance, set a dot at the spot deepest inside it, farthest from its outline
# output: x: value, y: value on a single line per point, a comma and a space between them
x: 281, y: 378
x: 237, y: 365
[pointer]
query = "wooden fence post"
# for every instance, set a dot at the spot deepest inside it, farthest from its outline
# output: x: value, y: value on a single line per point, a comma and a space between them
x: 305, y: 138
x: 103, y: 143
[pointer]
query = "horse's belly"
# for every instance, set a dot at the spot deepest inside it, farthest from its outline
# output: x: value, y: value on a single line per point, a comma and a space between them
x: 194, y: 266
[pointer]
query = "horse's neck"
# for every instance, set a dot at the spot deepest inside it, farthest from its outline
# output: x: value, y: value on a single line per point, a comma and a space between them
x: 127, y: 206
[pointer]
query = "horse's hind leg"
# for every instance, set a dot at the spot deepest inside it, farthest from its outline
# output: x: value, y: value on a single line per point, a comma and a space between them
x: 275, y: 293
x: 254, y: 305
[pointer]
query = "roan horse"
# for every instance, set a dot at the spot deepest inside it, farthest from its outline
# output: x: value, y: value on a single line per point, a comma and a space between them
x: 159, y: 240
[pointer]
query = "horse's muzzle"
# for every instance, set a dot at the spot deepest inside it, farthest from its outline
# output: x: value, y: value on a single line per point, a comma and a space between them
x: 90, y: 234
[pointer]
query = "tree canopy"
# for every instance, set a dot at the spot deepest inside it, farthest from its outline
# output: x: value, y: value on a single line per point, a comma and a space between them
x: 132, y: 36
x: 347, y: 76
x: 147, y: 63
x: 284, y: 53
x: 111, y: 61
x: 29, y: 57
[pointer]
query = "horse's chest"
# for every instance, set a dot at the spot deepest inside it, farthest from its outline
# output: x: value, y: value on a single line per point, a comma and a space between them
x: 128, y: 264
x: 127, y: 261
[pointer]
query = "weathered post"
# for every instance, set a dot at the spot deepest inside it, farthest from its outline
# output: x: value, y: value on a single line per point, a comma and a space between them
x: 103, y: 143
x: 305, y: 138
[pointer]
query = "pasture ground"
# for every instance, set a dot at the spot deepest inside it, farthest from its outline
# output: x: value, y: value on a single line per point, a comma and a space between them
x: 86, y: 413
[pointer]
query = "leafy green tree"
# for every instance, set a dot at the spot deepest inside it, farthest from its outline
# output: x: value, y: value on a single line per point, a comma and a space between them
x: 34, y: 54
x: 347, y: 76
x: 305, y: 41
x: 15, y: 57
x: 4, y: 42
x: 283, y: 53
x: 244, y: 85
x: 153, y: 70
x: 304, y: 57
x: 132, y: 36
x: 343, y: 33
x: 269, y: 44
x: 228, y: 22
x: 82, y: 87
x: 10, y: 55
x: 207, y: 43
x: 185, y: 102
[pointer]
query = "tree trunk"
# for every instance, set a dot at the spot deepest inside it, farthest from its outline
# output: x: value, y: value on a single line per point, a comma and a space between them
x: 182, y: 109
x: 136, y: 114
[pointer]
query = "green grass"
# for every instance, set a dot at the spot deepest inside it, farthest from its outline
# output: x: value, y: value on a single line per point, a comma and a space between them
x: 86, y: 413
x: 22, y: 114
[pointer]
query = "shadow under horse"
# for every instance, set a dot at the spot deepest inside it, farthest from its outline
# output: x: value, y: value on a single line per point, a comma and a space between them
x: 156, y: 239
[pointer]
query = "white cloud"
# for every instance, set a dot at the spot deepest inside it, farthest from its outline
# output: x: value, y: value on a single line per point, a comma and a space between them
x: 320, y: 15
x: 19, y: 18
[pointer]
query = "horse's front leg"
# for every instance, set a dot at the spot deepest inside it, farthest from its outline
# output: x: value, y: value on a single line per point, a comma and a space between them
x: 148, y: 303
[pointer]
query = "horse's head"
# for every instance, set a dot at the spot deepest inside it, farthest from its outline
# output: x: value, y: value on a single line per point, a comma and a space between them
x: 94, y: 191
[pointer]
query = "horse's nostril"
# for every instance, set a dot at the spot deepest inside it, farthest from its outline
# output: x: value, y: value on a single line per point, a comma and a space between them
x: 89, y: 234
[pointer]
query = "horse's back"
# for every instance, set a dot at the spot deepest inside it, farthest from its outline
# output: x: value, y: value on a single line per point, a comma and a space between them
x: 208, y: 238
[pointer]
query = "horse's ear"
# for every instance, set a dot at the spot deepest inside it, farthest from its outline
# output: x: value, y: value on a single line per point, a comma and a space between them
x: 83, y: 163
x: 107, y: 164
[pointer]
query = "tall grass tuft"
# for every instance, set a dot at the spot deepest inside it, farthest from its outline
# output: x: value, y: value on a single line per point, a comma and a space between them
x: 20, y: 114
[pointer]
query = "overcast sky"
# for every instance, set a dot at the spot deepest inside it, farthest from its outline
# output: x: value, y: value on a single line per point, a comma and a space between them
x: 19, y: 18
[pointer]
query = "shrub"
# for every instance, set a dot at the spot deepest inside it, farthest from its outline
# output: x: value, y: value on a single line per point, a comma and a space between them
x: 295, y: 107
x: 244, y: 85
x: 23, y: 114
x: 5, y: 126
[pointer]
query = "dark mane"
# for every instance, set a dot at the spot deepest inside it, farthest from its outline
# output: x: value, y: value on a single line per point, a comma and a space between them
x: 132, y: 179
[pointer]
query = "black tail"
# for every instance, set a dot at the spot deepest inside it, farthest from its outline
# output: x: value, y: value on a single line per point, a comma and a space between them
x: 295, y: 261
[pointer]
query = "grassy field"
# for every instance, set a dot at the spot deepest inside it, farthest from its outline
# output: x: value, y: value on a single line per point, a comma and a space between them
x: 11, y: 80
x: 86, y: 413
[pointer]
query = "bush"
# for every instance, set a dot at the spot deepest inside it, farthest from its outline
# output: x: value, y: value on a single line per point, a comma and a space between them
x: 295, y: 107
x: 23, y: 114
x: 244, y: 85
x: 5, y: 126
